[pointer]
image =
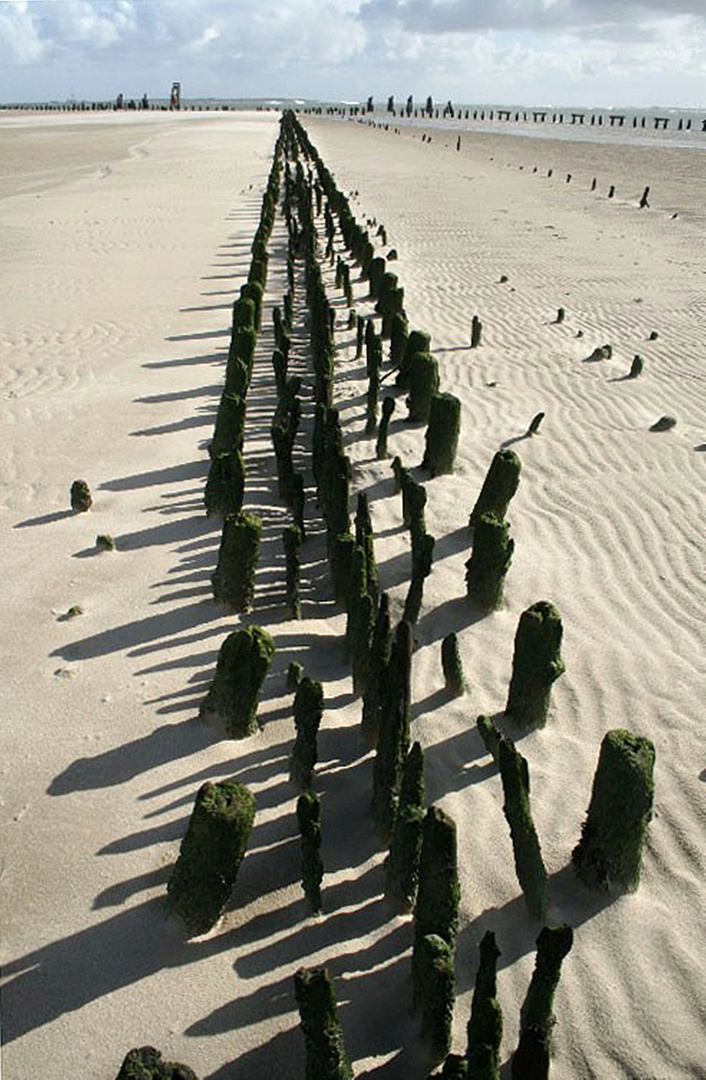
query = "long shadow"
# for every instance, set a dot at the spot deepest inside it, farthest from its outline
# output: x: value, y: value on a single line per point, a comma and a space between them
x: 187, y: 361
x: 180, y: 395
x: 162, y: 628
x: 187, y: 470
x: 167, y: 743
x: 452, y: 616
x: 200, y: 335
x: 516, y: 931
x: 68, y: 974
x: 201, y: 420
x: 44, y: 519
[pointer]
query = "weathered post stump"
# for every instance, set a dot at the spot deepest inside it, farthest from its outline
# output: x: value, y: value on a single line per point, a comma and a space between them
x: 243, y: 662
x: 609, y: 853
x: 233, y: 581
x: 225, y: 485
x: 423, y: 384
x: 501, y: 482
x: 452, y: 667
x: 326, y: 1057
x: 441, y: 440
x: 388, y: 407
x: 211, y: 854
x: 81, y: 498
x: 485, y: 1026
x: 536, y: 664
x: 402, y: 863
x: 309, y: 819
x: 529, y: 864
x: 308, y: 712
x: 489, y: 562
x: 146, y: 1063
x: 292, y: 540
x: 531, y: 1059
x: 393, y: 735
x: 379, y: 659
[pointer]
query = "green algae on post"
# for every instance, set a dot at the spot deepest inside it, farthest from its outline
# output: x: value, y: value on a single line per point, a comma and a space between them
x: 211, y: 854
x: 243, y: 661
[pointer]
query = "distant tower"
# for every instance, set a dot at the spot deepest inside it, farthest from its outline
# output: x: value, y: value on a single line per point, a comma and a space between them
x: 175, y: 96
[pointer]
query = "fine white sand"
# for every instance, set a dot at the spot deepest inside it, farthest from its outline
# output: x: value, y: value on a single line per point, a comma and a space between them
x: 125, y: 240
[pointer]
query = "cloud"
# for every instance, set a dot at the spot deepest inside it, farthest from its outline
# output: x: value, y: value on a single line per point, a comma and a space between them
x: 470, y: 16
x: 470, y: 49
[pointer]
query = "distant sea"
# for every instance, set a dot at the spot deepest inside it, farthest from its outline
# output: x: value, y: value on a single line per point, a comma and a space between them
x: 639, y: 127
x: 690, y: 134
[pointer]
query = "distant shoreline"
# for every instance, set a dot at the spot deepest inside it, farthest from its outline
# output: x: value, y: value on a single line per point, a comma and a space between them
x: 654, y: 127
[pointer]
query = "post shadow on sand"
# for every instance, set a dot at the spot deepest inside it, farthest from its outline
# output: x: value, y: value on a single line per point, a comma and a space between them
x: 516, y: 932
x: 450, y: 617
x: 123, y: 763
x: 162, y: 628
x: 67, y: 974
x: 213, y: 391
x: 45, y: 519
x: 186, y: 361
x: 173, y: 474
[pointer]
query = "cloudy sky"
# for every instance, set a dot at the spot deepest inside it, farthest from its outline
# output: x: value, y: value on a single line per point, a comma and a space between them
x: 588, y: 52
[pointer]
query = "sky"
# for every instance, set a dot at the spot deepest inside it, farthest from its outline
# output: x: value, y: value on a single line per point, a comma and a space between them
x: 594, y: 53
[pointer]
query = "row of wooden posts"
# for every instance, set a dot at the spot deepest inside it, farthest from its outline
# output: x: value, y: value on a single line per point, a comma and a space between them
x: 421, y: 870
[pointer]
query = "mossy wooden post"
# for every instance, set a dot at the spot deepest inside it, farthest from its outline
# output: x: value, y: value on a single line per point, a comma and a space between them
x: 211, y: 854
x: 279, y: 365
x: 360, y: 620
x: 436, y: 918
x: 308, y: 711
x: 402, y: 863
x: 433, y: 980
x: 489, y: 562
x: 636, y: 368
x: 527, y: 852
x: 436, y: 911
x: 309, y: 819
x: 423, y: 384
x: 295, y: 671
x: 417, y: 342
x: 146, y: 1063
x: 485, y: 1026
x: 230, y: 425
x: 481, y: 1064
x: 364, y: 537
x: 609, y: 854
x: 243, y: 661
x: 233, y: 581
x: 380, y: 652
x: 388, y: 407
x: 490, y: 735
x: 326, y: 1057
x: 359, y: 336
x: 500, y: 484
x: 452, y: 667
x: 225, y: 485
x: 476, y: 332
x: 455, y: 1066
x: 393, y: 735
x: 399, y: 332
x: 292, y: 540
x: 253, y: 290
x: 422, y: 554
x: 532, y: 1057
x: 81, y: 498
x: 441, y: 439
x: 536, y: 664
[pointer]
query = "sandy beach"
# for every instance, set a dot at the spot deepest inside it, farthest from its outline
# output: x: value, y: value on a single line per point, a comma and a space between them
x: 125, y: 241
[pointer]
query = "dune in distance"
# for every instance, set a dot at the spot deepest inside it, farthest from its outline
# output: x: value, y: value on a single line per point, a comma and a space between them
x: 127, y: 239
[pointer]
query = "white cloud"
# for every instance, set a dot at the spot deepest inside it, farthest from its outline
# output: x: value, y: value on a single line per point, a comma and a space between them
x: 470, y: 50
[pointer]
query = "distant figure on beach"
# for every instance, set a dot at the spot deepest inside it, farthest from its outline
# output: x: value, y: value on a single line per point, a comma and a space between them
x: 144, y: 104
x: 120, y: 101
